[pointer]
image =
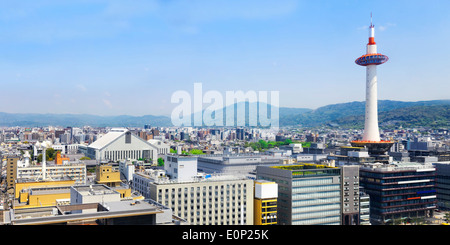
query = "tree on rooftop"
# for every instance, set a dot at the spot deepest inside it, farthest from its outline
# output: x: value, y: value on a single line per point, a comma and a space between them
x: 160, y: 161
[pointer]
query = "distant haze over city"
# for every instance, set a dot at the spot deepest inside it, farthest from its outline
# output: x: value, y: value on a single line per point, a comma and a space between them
x: 434, y: 113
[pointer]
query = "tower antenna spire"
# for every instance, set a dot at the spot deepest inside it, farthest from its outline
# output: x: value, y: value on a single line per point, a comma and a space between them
x: 371, y: 25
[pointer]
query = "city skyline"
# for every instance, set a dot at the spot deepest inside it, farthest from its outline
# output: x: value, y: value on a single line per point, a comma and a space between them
x: 111, y: 58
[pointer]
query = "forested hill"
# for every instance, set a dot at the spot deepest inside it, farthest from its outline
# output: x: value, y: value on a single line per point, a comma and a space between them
x: 433, y: 116
x: 434, y: 113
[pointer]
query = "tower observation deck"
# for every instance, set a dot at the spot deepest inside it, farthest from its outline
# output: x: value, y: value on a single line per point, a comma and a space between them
x: 371, y: 136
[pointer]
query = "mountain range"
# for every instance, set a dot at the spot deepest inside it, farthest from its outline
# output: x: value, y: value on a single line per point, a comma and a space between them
x: 433, y: 113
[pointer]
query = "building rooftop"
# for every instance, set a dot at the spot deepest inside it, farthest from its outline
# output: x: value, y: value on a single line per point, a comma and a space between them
x: 65, y: 213
x: 301, y: 170
x: 94, y: 190
x: 301, y: 166
x: 200, y: 177
x: 50, y: 190
x: 398, y: 166
x: 108, y: 138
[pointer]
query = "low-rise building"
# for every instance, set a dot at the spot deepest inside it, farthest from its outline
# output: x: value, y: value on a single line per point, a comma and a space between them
x: 94, y: 204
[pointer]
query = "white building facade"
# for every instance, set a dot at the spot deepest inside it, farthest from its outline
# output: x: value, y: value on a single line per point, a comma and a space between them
x: 119, y: 145
x: 76, y: 172
x: 162, y: 147
x: 214, y: 200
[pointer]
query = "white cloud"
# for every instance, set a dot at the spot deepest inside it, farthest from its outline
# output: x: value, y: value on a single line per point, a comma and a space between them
x: 107, y: 103
x: 362, y: 28
x: 130, y: 9
x: 188, y: 15
x: 386, y: 26
x: 81, y: 87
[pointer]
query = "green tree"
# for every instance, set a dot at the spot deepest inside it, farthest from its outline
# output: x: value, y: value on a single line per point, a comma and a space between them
x: 447, y: 216
x: 39, y: 158
x: 306, y: 144
x: 196, y: 152
x: 256, y: 146
x: 160, y: 161
x: 50, y: 153
x: 264, y: 144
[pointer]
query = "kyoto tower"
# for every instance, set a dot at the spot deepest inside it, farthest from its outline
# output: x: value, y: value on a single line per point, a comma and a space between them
x: 371, y: 136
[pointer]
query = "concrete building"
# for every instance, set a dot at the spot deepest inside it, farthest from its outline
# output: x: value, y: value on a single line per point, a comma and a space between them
x: 61, y: 160
x: 127, y: 169
x: 94, y: 204
x: 181, y: 168
x: 265, y: 203
x: 236, y: 164
x: 200, y: 199
x: 350, y: 155
x: 215, y: 201
x: 74, y: 171
x: 162, y: 147
x: 443, y: 184
x: 120, y: 144
x: 11, y: 170
x: 293, y: 147
x: 107, y: 175
x: 350, y: 195
x: 42, y: 193
x: 111, y: 177
x: 310, y: 158
x: 99, y: 193
x: 364, y: 207
x: 399, y: 191
x: 308, y: 194
x: 315, y: 148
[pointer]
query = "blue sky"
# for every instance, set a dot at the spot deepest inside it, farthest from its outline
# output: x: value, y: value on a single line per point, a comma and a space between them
x: 128, y: 57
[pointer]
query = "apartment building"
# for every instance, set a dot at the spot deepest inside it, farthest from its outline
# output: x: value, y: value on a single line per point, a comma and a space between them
x: 75, y: 172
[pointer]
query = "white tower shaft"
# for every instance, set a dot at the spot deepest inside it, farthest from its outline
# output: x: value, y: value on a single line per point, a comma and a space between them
x: 371, y: 131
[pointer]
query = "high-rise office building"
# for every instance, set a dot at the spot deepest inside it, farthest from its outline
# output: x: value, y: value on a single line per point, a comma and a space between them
x: 350, y: 195
x: 308, y: 194
x: 240, y: 134
x: 399, y: 191
x: 443, y: 184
